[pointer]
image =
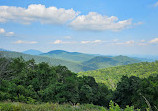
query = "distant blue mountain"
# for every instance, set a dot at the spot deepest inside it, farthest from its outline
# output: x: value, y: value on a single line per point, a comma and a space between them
x: 70, y: 56
x: 63, y: 51
x: 32, y: 52
x: 3, y: 49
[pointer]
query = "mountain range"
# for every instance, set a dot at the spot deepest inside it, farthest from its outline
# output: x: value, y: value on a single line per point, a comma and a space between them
x: 75, y: 67
x: 75, y: 61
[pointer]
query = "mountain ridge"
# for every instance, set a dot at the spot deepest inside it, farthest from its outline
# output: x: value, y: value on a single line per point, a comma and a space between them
x: 32, y: 52
x: 104, y: 62
x: 75, y: 61
x: 70, y: 56
x: 75, y: 67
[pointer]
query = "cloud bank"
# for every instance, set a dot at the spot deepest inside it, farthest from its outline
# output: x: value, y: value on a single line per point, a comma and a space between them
x: 155, y: 40
x: 130, y: 42
x: 63, y: 42
x: 25, y: 42
x: 95, y: 41
x: 34, y: 13
x: 98, y: 22
x: 52, y: 15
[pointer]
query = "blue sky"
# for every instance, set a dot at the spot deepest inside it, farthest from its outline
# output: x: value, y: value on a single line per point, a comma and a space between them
x: 127, y: 27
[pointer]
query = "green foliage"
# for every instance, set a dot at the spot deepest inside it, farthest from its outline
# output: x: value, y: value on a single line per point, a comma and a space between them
x: 141, y: 93
x: 5, y: 106
x: 111, y: 76
x: 29, y: 82
x: 116, y: 107
x: 103, y: 62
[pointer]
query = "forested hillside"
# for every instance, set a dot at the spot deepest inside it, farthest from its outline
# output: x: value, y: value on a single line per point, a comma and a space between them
x: 75, y: 67
x: 25, y: 81
x: 103, y: 62
x: 111, y: 76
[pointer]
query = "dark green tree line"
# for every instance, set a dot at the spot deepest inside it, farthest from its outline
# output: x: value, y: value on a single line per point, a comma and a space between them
x: 28, y: 81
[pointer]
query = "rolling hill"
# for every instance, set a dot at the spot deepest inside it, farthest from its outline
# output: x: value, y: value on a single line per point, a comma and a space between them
x: 75, y: 67
x: 111, y: 76
x: 103, y: 62
x: 70, y: 56
x: 91, y: 60
x: 32, y: 52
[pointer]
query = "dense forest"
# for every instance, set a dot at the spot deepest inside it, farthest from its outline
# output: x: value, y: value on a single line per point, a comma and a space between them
x: 111, y: 76
x: 32, y: 83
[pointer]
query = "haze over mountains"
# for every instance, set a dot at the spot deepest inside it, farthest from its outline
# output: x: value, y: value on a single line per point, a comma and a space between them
x: 75, y: 61
x: 32, y: 52
x: 71, y: 56
x: 3, y: 49
x: 75, y: 67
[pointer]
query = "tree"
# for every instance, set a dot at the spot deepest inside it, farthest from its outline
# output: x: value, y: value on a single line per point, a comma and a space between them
x: 126, y: 91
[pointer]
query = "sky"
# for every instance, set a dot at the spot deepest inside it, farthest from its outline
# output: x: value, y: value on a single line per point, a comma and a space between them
x: 109, y: 27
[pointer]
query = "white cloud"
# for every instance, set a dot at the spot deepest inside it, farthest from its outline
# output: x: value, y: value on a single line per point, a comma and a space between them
x: 72, y: 42
x: 4, y: 33
x: 97, y: 22
x: 138, y: 23
x: 67, y: 37
x: 9, y: 34
x: 126, y: 43
x: 142, y: 40
x: 34, y: 13
x: 25, y: 42
x: 129, y: 42
x: 52, y: 15
x: 85, y: 42
x: 155, y: 40
x: 63, y: 42
x: 95, y: 41
x: 156, y: 4
x: 142, y: 44
x: 115, y: 40
x: 58, y: 42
